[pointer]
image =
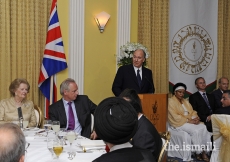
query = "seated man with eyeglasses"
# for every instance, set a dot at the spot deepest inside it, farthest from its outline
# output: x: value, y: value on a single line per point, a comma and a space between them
x: 12, y: 143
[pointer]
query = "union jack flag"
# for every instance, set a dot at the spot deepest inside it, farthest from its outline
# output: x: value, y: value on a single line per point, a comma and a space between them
x: 54, y: 59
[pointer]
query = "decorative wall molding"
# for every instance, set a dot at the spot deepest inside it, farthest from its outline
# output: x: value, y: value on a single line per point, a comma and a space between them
x: 76, y: 36
x: 76, y: 42
x: 123, y: 23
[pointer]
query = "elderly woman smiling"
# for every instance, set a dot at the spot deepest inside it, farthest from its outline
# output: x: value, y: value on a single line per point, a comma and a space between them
x: 181, y: 116
x: 8, y: 107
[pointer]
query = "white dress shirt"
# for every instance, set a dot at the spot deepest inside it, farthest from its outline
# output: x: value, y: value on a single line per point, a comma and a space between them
x: 121, y: 146
x: 135, y: 69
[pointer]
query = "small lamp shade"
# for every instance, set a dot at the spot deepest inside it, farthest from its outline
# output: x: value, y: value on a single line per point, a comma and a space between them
x: 101, y: 20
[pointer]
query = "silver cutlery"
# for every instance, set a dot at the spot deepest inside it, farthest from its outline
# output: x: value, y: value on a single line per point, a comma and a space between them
x: 63, y: 139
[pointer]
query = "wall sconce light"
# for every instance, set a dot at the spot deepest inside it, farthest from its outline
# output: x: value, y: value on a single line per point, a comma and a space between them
x: 101, y: 20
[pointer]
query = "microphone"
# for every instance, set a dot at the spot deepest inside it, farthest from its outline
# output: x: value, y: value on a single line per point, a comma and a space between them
x: 20, y: 116
x: 152, y: 88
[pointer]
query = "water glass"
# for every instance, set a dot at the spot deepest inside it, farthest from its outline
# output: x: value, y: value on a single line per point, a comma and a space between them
x: 47, y: 126
x: 71, y: 136
x: 56, y: 126
x: 25, y: 124
x: 50, y: 146
x: 61, y: 136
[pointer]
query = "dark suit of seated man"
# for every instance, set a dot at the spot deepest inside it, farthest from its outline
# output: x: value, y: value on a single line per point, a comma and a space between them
x: 225, y: 104
x: 127, y: 76
x: 204, y: 108
x: 73, y: 110
x: 223, y: 86
x: 146, y: 137
x: 116, y: 123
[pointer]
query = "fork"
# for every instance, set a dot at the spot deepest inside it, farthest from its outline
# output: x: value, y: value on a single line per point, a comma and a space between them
x: 27, y: 146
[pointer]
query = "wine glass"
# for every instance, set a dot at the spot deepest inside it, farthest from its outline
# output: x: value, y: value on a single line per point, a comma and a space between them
x: 47, y: 126
x: 57, y: 147
x: 61, y: 136
x: 56, y: 127
x: 71, y: 136
x: 50, y: 146
x: 25, y: 124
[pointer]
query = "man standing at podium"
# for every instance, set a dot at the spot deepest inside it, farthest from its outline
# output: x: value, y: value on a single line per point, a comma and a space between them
x: 134, y: 76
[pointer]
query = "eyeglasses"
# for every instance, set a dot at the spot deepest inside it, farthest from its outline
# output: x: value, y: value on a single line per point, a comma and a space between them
x: 27, y: 146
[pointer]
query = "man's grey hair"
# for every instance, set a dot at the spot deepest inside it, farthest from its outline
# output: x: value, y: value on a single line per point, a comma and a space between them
x: 228, y: 92
x: 65, y: 85
x: 219, y: 81
x: 13, y: 148
x: 143, y: 52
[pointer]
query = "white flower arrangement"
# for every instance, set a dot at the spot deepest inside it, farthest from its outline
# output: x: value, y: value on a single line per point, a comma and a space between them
x: 127, y: 50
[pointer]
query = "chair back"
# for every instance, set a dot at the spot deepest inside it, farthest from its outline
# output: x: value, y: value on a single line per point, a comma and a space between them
x: 39, y: 116
x: 165, y: 137
x: 221, y: 137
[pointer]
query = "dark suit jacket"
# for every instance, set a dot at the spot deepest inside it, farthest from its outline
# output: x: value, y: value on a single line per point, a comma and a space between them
x: 84, y: 108
x: 147, y: 137
x: 224, y: 110
x: 127, y: 155
x: 199, y: 105
x: 126, y: 78
x: 218, y: 96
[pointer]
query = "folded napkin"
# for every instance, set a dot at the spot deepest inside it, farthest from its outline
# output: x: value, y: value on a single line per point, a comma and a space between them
x: 90, y: 143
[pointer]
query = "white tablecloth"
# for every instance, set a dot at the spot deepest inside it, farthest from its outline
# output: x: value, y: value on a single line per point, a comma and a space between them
x: 38, y: 152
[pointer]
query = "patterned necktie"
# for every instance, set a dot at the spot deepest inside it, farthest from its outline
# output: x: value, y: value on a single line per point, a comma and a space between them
x: 207, y: 102
x: 71, y: 125
x: 139, y: 77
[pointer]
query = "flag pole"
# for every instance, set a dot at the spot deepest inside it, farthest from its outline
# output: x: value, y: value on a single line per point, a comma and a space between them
x: 51, y: 89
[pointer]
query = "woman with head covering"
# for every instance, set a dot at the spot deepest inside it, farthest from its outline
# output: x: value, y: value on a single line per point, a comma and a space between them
x: 116, y: 123
x: 181, y: 116
x: 8, y: 107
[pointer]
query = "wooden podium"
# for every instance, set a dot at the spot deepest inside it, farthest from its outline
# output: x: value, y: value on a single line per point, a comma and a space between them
x: 155, y: 108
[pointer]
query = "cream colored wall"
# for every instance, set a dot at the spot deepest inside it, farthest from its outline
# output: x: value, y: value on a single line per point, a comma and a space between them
x: 100, y: 48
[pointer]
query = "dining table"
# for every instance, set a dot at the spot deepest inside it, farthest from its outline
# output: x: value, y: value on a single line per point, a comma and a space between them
x: 82, y: 149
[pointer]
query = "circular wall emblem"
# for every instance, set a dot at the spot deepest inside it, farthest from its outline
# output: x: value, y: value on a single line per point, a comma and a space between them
x: 192, y: 49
